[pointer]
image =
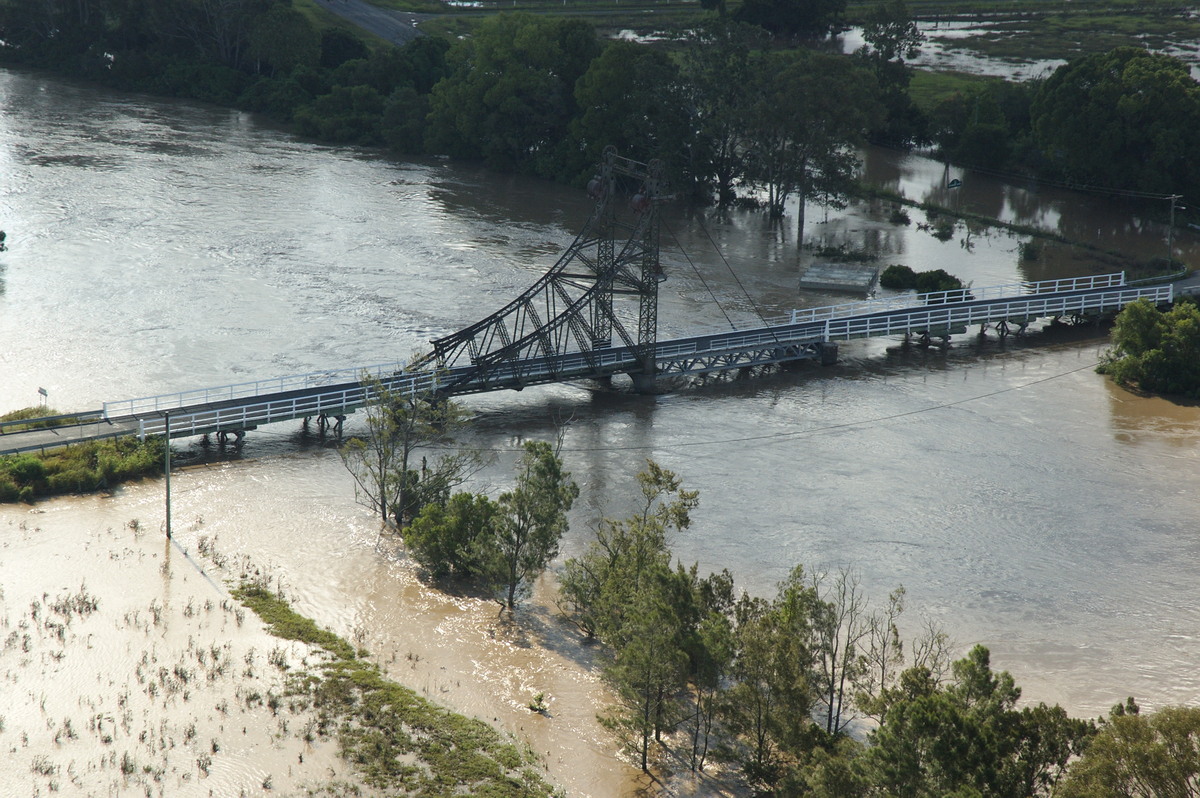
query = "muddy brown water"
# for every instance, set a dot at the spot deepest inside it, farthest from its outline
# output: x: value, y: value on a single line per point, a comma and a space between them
x: 1023, y: 501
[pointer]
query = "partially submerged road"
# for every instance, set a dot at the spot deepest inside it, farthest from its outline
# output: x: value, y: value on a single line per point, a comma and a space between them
x: 397, y: 27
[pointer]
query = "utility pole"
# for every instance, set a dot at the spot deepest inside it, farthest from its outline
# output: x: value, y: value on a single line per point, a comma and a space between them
x: 1171, y: 229
x: 167, y: 469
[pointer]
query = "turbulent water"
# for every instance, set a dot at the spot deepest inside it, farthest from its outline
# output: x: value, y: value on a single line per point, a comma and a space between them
x: 1023, y: 501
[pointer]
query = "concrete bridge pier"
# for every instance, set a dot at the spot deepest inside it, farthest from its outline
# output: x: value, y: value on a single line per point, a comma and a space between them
x: 644, y: 382
x: 829, y: 353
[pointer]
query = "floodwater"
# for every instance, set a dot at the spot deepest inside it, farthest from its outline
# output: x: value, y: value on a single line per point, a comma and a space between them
x: 1023, y: 501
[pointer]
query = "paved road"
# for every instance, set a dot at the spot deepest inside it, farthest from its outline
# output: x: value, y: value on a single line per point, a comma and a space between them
x: 398, y: 27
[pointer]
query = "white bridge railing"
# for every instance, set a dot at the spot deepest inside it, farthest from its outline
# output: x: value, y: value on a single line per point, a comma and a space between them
x: 345, y: 399
x: 1029, y: 307
x: 905, y: 301
x: 243, y: 390
x: 285, y: 398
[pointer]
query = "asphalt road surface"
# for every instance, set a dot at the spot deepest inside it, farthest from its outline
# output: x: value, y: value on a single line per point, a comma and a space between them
x: 398, y: 27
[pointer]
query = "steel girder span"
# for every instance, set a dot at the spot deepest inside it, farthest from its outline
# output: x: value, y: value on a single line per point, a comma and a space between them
x: 563, y: 326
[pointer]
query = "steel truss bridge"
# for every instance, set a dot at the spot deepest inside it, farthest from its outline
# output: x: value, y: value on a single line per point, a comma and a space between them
x: 567, y: 327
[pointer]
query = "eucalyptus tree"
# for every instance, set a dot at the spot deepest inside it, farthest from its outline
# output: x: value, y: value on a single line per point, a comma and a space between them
x: 1137, y: 755
x: 532, y: 518
x: 840, y: 627
x: 717, y: 68
x: 382, y: 459
x: 968, y: 737
x: 812, y: 112
x: 624, y: 591
x: 596, y: 587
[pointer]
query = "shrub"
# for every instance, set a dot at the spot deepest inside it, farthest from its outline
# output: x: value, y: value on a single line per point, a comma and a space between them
x: 936, y: 280
x: 79, y: 468
x: 75, y: 480
x: 943, y: 228
x: 9, y: 490
x: 25, y: 469
x: 898, y: 277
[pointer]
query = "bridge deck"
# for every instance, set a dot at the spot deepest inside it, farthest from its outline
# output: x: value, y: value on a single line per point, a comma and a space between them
x: 798, y: 335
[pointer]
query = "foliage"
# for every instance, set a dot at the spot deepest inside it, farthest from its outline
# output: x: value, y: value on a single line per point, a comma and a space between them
x: 987, y: 125
x: 382, y: 460
x: 597, y: 587
x: 903, y: 278
x: 36, y: 418
x: 891, y: 36
x: 398, y: 740
x: 898, y: 277
x: 1125, y: 118
x: 503, y: 544
x: 630, y: 97
x: 789, y: 18
x: 623, y: 590
x: 967, y: 738
x: 802, y: 132
x: 716, y: 68
x: 1156, y: 351
x: 80, y: 468
x: 509, y: 97
x: 455, y: 539
x: 533, y: 518
x: 1139, y: 756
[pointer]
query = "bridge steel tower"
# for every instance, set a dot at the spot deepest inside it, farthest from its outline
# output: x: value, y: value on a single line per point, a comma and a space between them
x: 571, y: 308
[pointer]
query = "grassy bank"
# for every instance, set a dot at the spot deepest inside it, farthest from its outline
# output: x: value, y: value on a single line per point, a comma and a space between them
x: 394, y: 737
x: 81, y: 468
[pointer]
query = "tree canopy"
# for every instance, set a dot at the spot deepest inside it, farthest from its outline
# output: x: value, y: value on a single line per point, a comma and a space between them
x: 1155, y: 351
x: 509, y: 97
x: 1125, y: 118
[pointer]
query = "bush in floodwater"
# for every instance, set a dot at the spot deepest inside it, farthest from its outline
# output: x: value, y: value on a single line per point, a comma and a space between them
x: 943, y: 228
x: 898, y: 277
x: 1156, y: 351
x: 902, y: 278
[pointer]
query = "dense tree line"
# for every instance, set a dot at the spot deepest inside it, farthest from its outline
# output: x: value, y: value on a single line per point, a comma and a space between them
x: 726, y: 113
x: 1124, y: 119
x: 729, y: 111
x: 732, y: 113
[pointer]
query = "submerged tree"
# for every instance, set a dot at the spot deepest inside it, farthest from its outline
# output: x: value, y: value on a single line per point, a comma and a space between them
x: 532, y: 519
x: 1156, y: 351
x: 503, y: 544
x: 382, y: 460
x: 811, y: 113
